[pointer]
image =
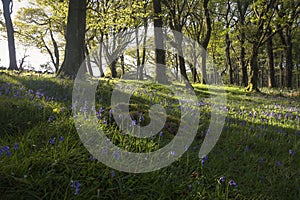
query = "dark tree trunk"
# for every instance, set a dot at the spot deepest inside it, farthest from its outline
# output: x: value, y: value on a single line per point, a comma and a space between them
x: 141, y: 76
x: 281, y: 71
x: 122, y: 64
x: 160, y: 54
x: 242, y: 60
x: 75, y: 40
x: 88, y: 60
x: 194, y: 69
x: 242, y: 8
x: 253, y: 78
x: 270, y: 57
x: 228, y: 44
x: 289, y: 59
x: 7, y: 10
x: 114, y: 69
x: 56, y: 52
x: 179, y: 38
x: 138, y: 58
x: 228, y: 59
x: 206, y: 39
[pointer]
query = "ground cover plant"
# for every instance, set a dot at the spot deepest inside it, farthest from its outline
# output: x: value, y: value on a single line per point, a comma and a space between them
x: 42, y: 157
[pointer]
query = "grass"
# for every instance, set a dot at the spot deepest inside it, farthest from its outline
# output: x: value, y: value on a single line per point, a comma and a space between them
x: 258, y: 148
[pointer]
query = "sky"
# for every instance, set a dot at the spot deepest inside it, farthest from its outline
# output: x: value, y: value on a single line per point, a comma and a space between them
x: 35, y: 59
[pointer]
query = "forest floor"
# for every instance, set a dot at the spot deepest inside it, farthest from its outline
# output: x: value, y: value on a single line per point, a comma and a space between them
x: 42, y: 156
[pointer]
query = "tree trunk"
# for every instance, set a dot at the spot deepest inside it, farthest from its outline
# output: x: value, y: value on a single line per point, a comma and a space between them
x: 56, y: 51
x: 88, y: 60
x: 75, y: 40
x: 160, y: 54
x: 138, y: 59
x: 242, y: 8
x: 7, y: 10
x: 228, y: 59
x: 289, y: 60
x: 281, y: 71
x: 122, y: 64
x: 270, y: 57
x: 206, y: 39
x: 141, y: 76
x: 253, y: 78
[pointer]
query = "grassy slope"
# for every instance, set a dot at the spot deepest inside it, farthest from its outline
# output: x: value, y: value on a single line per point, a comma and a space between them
x: 253, y: 150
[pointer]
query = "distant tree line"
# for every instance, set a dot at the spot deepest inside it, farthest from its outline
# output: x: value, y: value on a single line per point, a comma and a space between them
x: 253, y: 43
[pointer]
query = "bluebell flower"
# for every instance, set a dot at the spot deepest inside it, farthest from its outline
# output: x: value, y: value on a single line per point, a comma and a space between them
x: 232, y: 183
x: 16, y: 147
x: 172, y: 153
x: 112, y: 173
x: 261, y: 160
x: 278, y: 163
x: 61, y: 138
x: 292, y: 152
x: 204, y: 159
x: 116, y: 155
x: 51, y: 118
x: 160, y: 134
x: 134, y: 122
x: 247, y: 148
x: 77, y: 186
x: 6, y: 150
x: 104, y: 151
x: 222, y: 179
x: 72, y: 184
x: 52, y: 141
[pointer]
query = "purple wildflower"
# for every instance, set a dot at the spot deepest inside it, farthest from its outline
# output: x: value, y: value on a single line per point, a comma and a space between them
x: 51, y: 118
x: 61, y: 138
x: 160, y: 134
x: 112, y: 173
x: 77, y: 185
x: 172, y: 153
x: 247, y: 148
x: 222, y: 179
x: 292, y: 152
x: 52, y: 141
x: 117, y: 155
x: 204, y: 159
x: 16, y: 147
x: 232, y: 183
x: 261, y: 160
x: 6, y: 150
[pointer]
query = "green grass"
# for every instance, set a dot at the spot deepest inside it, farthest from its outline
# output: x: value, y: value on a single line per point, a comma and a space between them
x: 253, y: 150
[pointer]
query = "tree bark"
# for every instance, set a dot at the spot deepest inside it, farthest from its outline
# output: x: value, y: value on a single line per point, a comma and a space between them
x: 160, y: 54
x: 289, y: 59
x: 7, y: 10
x: 242, y: 8
x: 75, y: 38
x: 206, y: 39
x: 270, y: 57
x: 253, y: 78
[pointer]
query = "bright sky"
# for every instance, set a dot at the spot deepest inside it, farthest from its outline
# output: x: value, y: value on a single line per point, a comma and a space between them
x: 35, y: 59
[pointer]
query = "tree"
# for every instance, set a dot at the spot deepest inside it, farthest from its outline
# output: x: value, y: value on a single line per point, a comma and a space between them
x: 43, y: 25
x: 243, y: 6
x: 160, y: 54
x: 262, y: 13
x: 75, y: 38
x: 7, y: 11
x: 270, y: 57
x: 288, y: 13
